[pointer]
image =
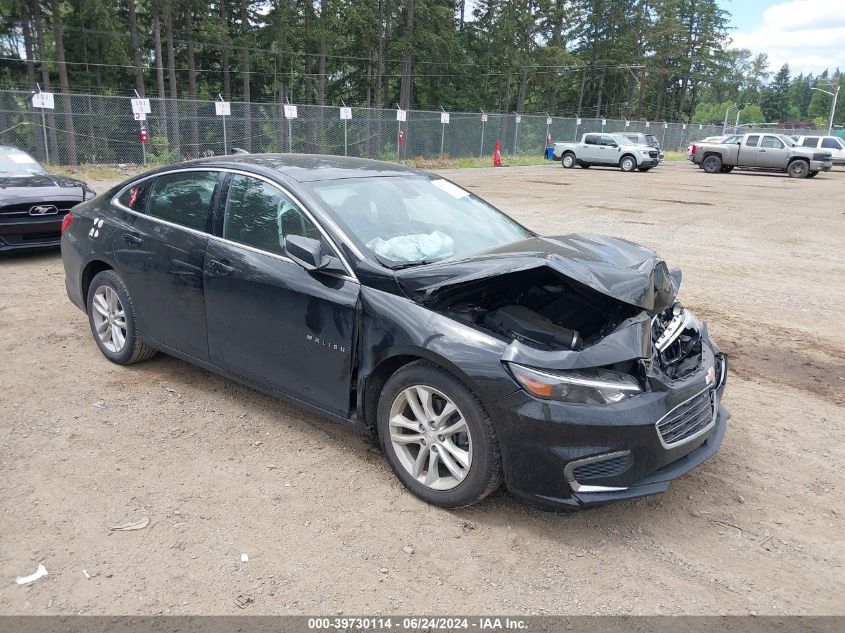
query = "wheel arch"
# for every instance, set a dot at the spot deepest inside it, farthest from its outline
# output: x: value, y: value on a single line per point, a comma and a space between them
x: 374, y: 381
x: 628, y: 155
x: 91, y: 270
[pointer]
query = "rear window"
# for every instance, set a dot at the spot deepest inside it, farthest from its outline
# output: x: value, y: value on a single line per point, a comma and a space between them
x: 811, y: 141
x: 831, y: 143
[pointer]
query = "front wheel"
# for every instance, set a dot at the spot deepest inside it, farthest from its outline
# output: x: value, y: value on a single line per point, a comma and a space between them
x: 627, y: 163
x: 437, y: 436
x: 798, y: 169
x: 585, y: 165
x: 114, y: 325
x: 644, y: 169
x: 812, y: 174
x: 568, y: 161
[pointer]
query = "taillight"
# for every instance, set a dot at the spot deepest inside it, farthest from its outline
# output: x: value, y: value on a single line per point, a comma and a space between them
x: 66, y: 222
x: 693, y: 150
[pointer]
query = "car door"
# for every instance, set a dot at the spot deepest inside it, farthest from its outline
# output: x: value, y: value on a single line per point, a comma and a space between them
x: 160, y: 251
x: 589, y: 151
x: 269, y: 320
x: 772, y: 153
x: 608, y: 152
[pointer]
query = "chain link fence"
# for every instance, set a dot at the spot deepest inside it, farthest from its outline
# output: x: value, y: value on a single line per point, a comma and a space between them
x: 101, y: 129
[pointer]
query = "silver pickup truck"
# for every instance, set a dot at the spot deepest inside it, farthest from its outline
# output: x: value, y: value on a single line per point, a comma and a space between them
x: 766, y: 152
x: 606, y: 149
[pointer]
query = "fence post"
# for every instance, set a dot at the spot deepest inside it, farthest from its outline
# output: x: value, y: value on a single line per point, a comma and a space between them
x: 483, y: 121
x: 517, y: 121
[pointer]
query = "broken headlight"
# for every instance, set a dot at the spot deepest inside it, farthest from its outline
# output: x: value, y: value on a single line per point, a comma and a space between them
x: 585, y: 386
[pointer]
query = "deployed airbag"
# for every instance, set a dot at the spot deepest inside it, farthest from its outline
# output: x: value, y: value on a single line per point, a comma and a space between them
x: 414, y: 248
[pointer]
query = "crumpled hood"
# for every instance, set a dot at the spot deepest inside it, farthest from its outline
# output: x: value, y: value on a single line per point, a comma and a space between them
x: 22, y: 187
x: 614, y: 267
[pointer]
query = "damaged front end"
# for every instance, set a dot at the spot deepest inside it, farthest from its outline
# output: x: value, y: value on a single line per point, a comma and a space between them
x: 619, y: 381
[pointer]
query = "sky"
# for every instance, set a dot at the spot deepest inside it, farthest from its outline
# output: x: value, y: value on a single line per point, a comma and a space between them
x: 809, y: 35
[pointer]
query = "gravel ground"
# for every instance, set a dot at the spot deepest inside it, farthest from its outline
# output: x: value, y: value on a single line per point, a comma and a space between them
x: 221, y: 470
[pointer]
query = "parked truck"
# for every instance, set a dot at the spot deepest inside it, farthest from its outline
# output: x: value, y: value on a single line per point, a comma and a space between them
x: 765, y: 152
x: 606, y: 149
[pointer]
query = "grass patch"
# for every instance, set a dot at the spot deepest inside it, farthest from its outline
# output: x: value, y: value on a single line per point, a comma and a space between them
x: 675, y: 155
x: 520, y: 160
x: 97, y: 172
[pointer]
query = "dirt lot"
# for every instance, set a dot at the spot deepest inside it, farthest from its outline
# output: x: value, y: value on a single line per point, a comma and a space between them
x: 221, y: 470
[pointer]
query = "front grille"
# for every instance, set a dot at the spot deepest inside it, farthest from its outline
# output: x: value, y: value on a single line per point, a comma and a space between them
x: 687, y: 419
x: 653, y: 154
x: 603, y: 468
x: 21, y: 209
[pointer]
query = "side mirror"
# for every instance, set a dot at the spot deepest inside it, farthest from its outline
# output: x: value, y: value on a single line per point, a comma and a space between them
x: 306, y: 252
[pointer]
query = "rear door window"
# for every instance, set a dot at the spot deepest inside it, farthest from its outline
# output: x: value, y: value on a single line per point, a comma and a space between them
x: 831, y: 143
x: 591, y: 139
x: 752, y: 141
x: 183, y: 198
x: 811, y: 141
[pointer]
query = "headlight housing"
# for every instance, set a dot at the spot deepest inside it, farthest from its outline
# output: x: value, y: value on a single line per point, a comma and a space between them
x: 584, y: 386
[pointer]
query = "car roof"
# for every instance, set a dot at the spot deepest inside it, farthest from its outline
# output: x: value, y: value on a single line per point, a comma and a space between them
x: 309, y: 167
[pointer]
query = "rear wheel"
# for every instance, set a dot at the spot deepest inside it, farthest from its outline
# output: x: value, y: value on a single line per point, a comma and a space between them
x: 437, y: 436
x: 627, y: 163
x: 798, y: 169
x: 568, y: 160
x: 585, y: 165
x: 712, y: 164
x: 812, y: 174
x: 111, y: 315
x: 726, y: 169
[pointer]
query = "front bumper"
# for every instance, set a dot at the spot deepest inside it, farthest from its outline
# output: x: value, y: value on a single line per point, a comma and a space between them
x: 28, y: 233
x: 819, y: 165
x: 542, y: 440
x: 648, y: 162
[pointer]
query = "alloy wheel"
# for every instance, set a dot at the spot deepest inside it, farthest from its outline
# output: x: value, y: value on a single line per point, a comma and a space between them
x: 109, y: 319
x: 430, y: 437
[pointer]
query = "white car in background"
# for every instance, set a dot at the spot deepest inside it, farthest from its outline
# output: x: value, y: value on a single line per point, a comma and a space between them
x: 833, y: 144
x: 709, y: 139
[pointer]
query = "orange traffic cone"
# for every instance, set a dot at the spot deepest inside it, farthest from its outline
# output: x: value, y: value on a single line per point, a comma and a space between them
x: 497, y: 155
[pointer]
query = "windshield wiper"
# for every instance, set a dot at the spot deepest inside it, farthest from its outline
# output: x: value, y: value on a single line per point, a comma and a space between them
x: 421, y: 262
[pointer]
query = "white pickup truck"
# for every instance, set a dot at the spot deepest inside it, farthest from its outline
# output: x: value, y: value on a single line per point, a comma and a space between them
x: 613, y: 150
x: 766, y: 152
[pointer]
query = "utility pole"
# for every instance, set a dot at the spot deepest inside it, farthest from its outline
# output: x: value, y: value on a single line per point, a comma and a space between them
x: 835, y: 96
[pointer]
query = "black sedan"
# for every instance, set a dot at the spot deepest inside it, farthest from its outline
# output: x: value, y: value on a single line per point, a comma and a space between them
x: 394, y: 301
x: 33, y: 202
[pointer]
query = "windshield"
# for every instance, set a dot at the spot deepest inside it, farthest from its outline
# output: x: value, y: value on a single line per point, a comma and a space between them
x: 623, y: 140
x: 734, y: 138
x: 15, y: 162
x: 416, y: 219
x: 788, y: 141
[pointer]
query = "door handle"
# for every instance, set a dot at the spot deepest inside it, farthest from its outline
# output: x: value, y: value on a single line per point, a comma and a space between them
x: 221, y: 267
x: 132, y: 239
x: 762, y: 150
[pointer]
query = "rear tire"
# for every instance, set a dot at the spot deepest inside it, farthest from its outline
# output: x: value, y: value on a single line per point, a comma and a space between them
x: 798, y: 169
x: 585, y: 165
x: 567, y: 161
x: 420, y: 448
x: 712, y: 164
x: 812, y: 174
x: 111, y: 315
x: 726, y: 169
x: 627, y: 163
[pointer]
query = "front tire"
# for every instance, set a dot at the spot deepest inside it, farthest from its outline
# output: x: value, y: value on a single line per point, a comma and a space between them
x: 627, y: 163
x: 437, y: 436
x: 812, y: 174
x: 111, y: 315
x: 712, y: 164
x: 568, y: 161
x: 798, y: 169
x: 644, y: 169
